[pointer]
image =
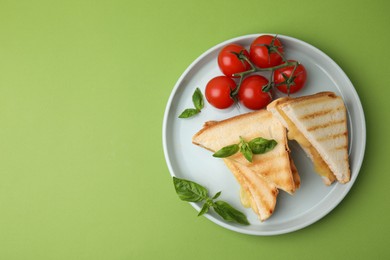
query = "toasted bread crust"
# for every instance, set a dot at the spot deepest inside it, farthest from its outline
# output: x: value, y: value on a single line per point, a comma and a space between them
x: 210, y: 124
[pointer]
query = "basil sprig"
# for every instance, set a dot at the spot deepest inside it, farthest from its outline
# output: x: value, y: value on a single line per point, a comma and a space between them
x: 197, y: 100
x: 257, y: 145
x: 193, y: 192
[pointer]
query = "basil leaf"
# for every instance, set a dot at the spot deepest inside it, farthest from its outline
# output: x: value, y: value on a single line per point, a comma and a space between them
x: 227, y: 151
x: 189, y: 190
x: 197, y: 99
x: 194, y: 192
x: 229, y: 213
x: 204, y: 209
x: 189, y: 112
x: 261, y: 145
x: 217, y: 195
x: 246, y: 150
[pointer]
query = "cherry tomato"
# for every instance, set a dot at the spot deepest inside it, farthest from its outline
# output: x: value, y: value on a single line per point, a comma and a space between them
x: 218, y: 91
x: 251, y: 94
x: 263, y: 57
x: 298, y: 80
x: 228, y: 61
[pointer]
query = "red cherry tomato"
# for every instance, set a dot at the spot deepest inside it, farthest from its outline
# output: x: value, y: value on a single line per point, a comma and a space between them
x: 251, y: 94
x: 298, y: 80
x: 218, y: 91
x: 261, y: 56
x: 228, y: 61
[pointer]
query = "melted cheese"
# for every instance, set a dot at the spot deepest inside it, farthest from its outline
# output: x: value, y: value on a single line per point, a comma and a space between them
x: 245, y: 199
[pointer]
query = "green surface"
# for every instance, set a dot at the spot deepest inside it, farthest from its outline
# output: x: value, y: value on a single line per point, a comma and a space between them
x: 83, y: 88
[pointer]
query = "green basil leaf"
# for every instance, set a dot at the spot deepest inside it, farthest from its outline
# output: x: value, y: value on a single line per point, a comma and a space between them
x: 261, y: 145
x: 189, y: 112
x: 197, y: 99
x: 227, y: 151
x: 204, y: 209
x: 189, y: 190
x: 246, y: 150
x: 228, y: 213
x: 217, y: 195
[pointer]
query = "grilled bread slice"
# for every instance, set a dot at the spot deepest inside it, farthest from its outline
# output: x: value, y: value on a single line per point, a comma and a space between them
x: 256, y: 191
x: 318, y: 123
x: 274, y: 165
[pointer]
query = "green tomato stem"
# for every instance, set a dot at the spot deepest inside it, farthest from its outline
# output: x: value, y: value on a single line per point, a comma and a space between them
x: 254, y: 69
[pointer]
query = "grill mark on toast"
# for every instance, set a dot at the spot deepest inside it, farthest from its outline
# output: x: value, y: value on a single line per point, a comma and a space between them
x: 271, y: 170
x: 283, y: 182
x: 342, y: 147
x: 329, y: 124
x: 271, y: 166
x: 320, y: 113
x: 333, y: 136
x: 308, y: 102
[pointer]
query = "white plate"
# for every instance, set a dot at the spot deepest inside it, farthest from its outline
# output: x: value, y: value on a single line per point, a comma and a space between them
x: 313, y: 200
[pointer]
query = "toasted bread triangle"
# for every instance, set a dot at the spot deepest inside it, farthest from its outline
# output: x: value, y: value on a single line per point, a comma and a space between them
x: 319, y: 123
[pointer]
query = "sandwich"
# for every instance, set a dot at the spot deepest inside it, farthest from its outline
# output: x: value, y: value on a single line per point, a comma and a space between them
x: 261, y: 178
x: 318, y: 123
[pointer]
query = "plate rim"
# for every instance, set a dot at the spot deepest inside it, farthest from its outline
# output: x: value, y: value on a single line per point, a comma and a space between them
x: 360, y: 155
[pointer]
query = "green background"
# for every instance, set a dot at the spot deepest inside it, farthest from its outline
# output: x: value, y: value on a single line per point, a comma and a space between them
x: 83, y: 88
